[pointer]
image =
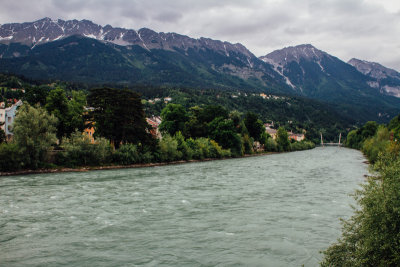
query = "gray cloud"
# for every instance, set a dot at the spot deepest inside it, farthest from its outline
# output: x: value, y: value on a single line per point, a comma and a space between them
x: 365, y: 29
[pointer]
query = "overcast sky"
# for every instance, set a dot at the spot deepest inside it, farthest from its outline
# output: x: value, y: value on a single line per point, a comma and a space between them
x: 364, y: 29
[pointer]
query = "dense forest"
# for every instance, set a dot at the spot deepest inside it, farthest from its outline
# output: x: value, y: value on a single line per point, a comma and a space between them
x: 296, y: 114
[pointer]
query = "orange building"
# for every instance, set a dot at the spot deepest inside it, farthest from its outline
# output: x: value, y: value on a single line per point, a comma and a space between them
x: 89, y: 132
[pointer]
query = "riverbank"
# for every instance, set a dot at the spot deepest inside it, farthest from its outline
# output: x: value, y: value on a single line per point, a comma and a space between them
x: 113, y: 167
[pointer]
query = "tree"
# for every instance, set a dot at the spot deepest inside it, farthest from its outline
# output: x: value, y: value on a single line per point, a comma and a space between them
x: 2, y: 134
x: 282, y: 139
x: 224, y: 133
x: 369, y: 129
x: 75, y: 115
x: 37, y: 95
x: 254, y: 125
x: 210, y: 112
x: 193, y: 127
x: 174, y: 117
x: 57, y: 104
x: 68, y: 112
x: 118, y: 116
x: 394, y: 126
x: 371, y: 236
x: 34, y: 134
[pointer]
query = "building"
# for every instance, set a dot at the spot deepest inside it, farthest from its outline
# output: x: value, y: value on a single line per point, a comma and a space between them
x: 154, y: 122
x: 271, y: 132
x: 2, y: 118
x: 9, y: 116
x: 89, y: 132
x: 296, y: 137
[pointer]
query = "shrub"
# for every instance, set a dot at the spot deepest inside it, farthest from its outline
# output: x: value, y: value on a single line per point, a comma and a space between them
x: 271, y: 145
x: 183, y: 147
x: 371, y: 236
x: 303, y: 145
x: 10, y: 156
x: 127, y: 154
x: 376, y: 144
x: 168, y: 149
x: 247, y: 144
x: 79, y: 151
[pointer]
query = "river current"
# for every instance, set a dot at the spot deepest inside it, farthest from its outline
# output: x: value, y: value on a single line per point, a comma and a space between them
x: 273, y: 210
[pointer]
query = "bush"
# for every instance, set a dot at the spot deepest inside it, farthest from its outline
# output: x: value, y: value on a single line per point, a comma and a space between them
x: 205, y: 148
x: 376, y: 144
x: 247, y: 144
x: 271, y: 145
x: 79, y: 151
x: 183, y: 147
x: 168, y: 149
x: 371, y: 236
x: 11, y: 157
x: 303, y: 145
x: 217, y: 151
x: 127, y: 154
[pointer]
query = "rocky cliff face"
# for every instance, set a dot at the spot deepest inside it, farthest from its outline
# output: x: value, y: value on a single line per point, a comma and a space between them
x: 48, y: 30
x: 382, y: 78
x: 300, y: 64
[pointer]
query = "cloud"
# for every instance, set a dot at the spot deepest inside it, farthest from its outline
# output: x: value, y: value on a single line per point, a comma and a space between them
x: 366, y: 29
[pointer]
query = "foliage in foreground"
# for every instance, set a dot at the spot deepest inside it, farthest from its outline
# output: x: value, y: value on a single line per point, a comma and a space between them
x: 371, y: 237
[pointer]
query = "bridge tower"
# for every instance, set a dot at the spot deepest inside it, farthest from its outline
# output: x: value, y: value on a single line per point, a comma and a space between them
x: 322, y: 140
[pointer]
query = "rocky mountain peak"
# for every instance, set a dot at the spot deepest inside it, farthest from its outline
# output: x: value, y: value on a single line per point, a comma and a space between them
x: 294, y: 53
x: 386, y: 80
x: 373, y: 69
x: 47, y: 30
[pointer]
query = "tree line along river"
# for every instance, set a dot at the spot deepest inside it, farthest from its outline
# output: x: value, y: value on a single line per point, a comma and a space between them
x: 274, y: 210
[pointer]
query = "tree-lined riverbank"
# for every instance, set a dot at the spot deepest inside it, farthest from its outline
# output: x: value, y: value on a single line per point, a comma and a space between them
x: 371, y: 237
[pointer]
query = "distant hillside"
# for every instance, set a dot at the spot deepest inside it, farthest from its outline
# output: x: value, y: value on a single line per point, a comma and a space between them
x: 82, y: 51
x: 318, y: 75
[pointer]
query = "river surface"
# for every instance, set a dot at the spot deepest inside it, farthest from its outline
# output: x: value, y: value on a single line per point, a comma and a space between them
x: 274, y: 210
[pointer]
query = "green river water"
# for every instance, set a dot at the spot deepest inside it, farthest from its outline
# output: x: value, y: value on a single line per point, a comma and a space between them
x: 274, y: 210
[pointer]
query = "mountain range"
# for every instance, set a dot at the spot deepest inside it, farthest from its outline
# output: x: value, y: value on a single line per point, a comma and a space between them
x: 82, y: 51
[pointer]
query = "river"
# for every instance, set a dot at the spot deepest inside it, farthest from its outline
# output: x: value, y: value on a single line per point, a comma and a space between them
x: 273, y: 210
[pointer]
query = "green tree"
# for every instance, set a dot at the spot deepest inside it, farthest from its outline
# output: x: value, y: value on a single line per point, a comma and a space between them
x: 210, y: 112
x: 76, y: 110
x: 37, y: 95
x: 371, y: 237
x: 34, y: 134
x: 174, y: 117
x: 118, y: 116
x: 57, y: 104
x: 394, y: 127
x: 193, y: 127
x: 282, y: 139
x: 224, y: 133
x: 254, y: 125
x: 2, y: 134
x: 369, y: 129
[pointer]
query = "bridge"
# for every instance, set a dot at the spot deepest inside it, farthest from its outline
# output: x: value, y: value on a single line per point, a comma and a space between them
x: 331, y: 143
